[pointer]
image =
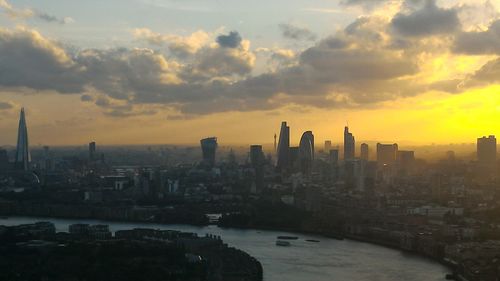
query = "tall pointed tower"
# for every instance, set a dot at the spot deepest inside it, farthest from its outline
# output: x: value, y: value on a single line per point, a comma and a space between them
x: 23, y: 157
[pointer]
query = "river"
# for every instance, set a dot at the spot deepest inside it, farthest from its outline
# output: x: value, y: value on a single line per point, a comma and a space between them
x: 327, y: 260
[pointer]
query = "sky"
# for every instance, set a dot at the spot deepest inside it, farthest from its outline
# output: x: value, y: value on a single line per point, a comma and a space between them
x: 176, y: 71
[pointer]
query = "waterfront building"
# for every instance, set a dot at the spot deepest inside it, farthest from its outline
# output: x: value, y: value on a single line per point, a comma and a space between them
x: 209, y: 148
x: 284, y: 147
x: 365, y: 152
x: 349, y: 144
x: 23, y: 156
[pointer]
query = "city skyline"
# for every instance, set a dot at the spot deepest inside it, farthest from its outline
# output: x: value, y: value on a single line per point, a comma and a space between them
x: 147, y: 75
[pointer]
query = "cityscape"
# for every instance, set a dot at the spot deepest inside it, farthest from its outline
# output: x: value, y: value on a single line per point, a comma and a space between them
x: 221, y: 140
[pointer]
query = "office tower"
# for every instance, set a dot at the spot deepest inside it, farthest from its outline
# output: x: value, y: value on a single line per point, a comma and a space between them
x: 208, y: 148
x: 349, y: 144
x: 406, y: 160
x: 92, y: 151
x: 306, y: 151
x: 365, y: 152
x: 284, y: 147
x: 257, y: 161
x: 256, y: 155
x: 386, y: 154
x: 334, y: 157
x: 328, y: 146
x: 294, y: 158
x: 23, y: 156
x: 487, y: 152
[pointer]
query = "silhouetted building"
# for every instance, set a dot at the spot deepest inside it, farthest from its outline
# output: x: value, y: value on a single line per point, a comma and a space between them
x: 386, y: 154
x: 328, y: 146
x: 334, y: 156
x: 349, y: 145
x: 23, y: 156
x: 256, y: 155
x: 365, y: 152
x: 92, y: 151
x: 257, y: 159
x: 284, y: 147
x: 406, y: 160
x: 209, y: 148
x: 487, y: 152
x: 306, y: 151
x: 294, y: 158
x: 4, y: 159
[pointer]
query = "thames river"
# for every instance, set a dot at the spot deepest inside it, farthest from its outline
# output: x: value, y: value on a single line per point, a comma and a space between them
x: 327, y: 260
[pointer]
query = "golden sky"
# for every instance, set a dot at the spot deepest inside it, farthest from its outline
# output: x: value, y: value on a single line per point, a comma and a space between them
x: 407, y: 71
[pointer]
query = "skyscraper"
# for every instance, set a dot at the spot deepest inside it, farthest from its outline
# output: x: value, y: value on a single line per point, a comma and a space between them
x: 306, y: 151
x: 256, y: 155
x: 208, y: 148
x: 328, y: 146
x: 349, y: 144
x: 92, y: 150
x: 487, y: 152
x: 284, y: 147
x: 23, y: 156
x: 365, y: 152
x: 386, y: 153
x: 257, y: 160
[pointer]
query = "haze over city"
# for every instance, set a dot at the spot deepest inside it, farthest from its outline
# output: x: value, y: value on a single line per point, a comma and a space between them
x: 156, y: 72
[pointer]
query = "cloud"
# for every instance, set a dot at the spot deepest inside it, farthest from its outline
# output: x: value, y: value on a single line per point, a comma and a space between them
x: 488, y: 74
x: 32, y: 61
x: 479, y: 42
x: 6, y: 105
x: 232, y: 40
x: 428, y: 20
x: 296, y: 32
x: 179, y: 46
x: 353, y: 68
x: 16, y: 13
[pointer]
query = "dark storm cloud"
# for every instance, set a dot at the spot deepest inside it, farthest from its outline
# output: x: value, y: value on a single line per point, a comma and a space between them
x: 427, y: 20
x: 489, y: 73
x: 296, y: 32
x: 232, y: 40
x: 479, y: 43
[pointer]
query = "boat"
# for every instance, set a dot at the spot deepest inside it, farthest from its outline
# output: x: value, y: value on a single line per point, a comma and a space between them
x: 282, y: 243
x: 288, y: 237
x: 312, y: 240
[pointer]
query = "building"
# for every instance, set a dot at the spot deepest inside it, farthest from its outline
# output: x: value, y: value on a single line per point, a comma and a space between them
x: 284, y: 147
x: 406, y: 160
x: 487, y: 153
x: 209, y: 148
x: 306, y: 151
x: 386, y: 154
x: 4, y: 159
x: 349, y: 145
x: 92, y: 151
x: 23, y: 156
x: 334, y: 157
x: 257, y: 159
x: 256, y: 155
x: 365, y: 152
x: 328, y: 146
